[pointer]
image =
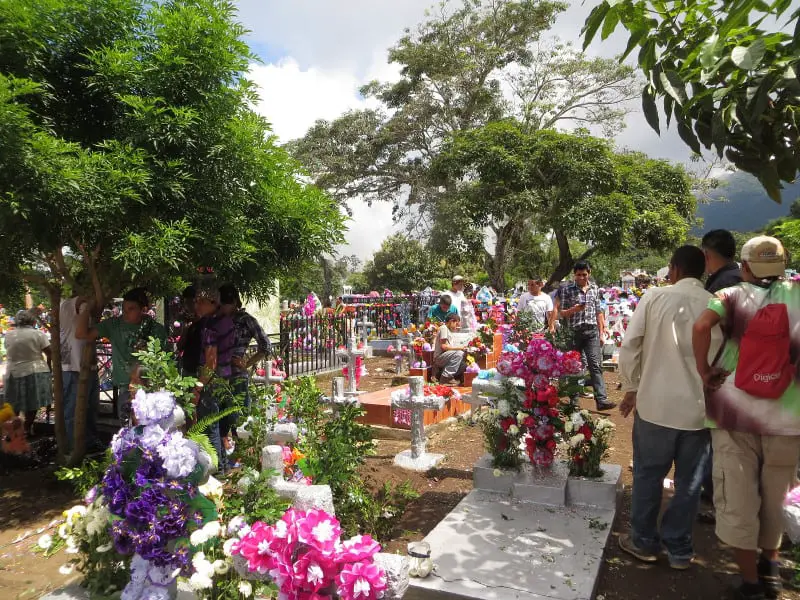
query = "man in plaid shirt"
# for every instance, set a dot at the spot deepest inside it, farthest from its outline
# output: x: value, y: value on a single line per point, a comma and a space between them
x: 246, y: 329
x: 579, y: 303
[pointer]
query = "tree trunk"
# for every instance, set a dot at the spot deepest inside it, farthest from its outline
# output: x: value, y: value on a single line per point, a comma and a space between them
x: 327, y: 280
x: 58, y: 375
x: 565, y: 259
x: 81, y: 407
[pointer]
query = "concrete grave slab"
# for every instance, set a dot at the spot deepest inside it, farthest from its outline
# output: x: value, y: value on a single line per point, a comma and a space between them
x: 493, y: 548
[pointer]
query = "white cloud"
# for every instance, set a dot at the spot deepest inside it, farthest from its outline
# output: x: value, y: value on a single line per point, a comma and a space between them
x: 318, y: 53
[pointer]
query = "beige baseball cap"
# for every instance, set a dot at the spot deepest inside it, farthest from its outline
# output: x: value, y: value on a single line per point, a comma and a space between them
x: 765, y: 256
x: 457, y: 278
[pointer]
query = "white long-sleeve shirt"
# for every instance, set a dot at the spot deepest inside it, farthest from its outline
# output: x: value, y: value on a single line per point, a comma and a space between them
x: 656, y: 358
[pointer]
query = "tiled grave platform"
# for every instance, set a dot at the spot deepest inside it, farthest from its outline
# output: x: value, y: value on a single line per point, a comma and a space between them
x: 378, y: 407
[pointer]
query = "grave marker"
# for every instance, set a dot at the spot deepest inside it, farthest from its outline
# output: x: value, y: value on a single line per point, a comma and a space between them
x: 417, y: 458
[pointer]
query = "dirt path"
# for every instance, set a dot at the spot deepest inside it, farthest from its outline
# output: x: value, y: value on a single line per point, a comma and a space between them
x: 31, y: 500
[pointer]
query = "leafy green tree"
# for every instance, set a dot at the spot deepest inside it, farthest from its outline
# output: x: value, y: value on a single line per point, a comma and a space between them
x: 573, y: 186
x: 130, y: 141
x: 402, y: 264
x: 454, y: 67
x: 730, y: 82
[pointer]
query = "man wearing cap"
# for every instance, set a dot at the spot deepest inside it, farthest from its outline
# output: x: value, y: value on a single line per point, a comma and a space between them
x: 457, y: 292
x: 756, y: 440
x: 538, y: 303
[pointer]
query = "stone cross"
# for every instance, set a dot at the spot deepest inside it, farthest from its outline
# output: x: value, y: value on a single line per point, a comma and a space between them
x: 351, y: 353
x: 417, y: 458
x: 268, y: 376
x: 409, y: 343
x: 365, y: 326
x: 338, y: 394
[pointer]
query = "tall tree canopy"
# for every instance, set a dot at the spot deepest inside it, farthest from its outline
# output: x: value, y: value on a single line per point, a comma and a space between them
x: 453, y: 68
x: 129, y: 139
x: 574, y: 186
x: 726, y: 70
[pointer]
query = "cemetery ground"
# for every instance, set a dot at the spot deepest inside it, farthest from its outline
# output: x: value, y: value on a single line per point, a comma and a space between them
x: 31, y: 500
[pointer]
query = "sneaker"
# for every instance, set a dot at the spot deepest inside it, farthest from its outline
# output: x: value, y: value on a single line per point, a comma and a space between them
x: 586, y: 395
x: 680, y: 564
x: 626, y: 545
x: 748, y: 591
x: 604, y: 406
x: 769, y: 574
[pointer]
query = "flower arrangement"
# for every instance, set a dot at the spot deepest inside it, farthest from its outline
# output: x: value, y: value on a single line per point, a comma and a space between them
x: 616, y: 338
x: 305, y: 557
x: 151, y: 491
x: 586, y: 443
x: 477, y: 347
x: 292, y: 458
x: 529, y: 419
x: 361, y: 370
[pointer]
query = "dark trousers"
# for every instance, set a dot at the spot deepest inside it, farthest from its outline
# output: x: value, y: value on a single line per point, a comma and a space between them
x: 240, y: 385
x: 655, y: 450
x: 208, y: 406
x: 587, y: 341
x: 70, y: 398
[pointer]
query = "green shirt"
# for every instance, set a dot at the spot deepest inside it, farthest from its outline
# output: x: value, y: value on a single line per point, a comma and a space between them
x: 124, y: 338
x: 437, y: 313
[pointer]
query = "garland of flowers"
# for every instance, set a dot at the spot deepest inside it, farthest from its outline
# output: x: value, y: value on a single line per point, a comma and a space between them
x: 304, y: 555
x: 529, y: 419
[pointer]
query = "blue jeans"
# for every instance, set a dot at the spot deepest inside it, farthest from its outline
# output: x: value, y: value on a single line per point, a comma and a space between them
x: 655, y: 449
x: 209, y: 405
x: 588, y: 342
x: 124, y: 408
x: 69, y: 390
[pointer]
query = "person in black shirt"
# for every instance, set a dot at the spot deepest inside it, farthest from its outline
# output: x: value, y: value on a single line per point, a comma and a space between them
x: 719, y: 247
x: 190, y: 343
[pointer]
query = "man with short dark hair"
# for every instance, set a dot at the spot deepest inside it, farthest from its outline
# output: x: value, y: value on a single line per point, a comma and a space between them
x: 128, y: 335
x: 439, y: 311
x: 719, y: 248
x: 662, y: 385
x: 539, y: 304
x: 579, y: 303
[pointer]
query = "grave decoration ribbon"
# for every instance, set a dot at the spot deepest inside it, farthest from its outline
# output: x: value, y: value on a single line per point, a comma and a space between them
x: 303, y: 554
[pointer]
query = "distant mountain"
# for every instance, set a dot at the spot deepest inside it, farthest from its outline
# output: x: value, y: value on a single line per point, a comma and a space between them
x: 747, y: 206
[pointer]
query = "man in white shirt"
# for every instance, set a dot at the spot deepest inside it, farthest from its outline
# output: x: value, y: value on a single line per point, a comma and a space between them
x: 538, y: 303
x: 457, y: 292
x: 661, y: 383
x: 71, y: 350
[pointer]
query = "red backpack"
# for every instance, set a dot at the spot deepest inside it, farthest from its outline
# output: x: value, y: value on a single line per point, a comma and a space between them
x: 765, y: 368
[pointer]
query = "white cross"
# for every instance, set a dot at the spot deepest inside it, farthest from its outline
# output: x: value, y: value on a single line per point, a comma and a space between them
x: 352, y: 353
x: 365, y: 326
x: 417, y: 402
x: 338, y: 394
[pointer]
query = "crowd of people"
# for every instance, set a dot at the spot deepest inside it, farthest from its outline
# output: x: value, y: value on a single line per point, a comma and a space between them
x: 709, y: 372
x: 213, y: 349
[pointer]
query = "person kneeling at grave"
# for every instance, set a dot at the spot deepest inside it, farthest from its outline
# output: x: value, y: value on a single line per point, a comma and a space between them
x: 448, y: 358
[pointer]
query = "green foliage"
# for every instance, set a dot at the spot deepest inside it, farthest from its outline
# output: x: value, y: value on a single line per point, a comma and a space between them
x: 572, y: 185
x: 159, y: 371
x: 364, y: 512
x: 127, y: 114
x: 730, y: 83
x: 87, y: 475
x: 253, y: 498
x: 401, y: 264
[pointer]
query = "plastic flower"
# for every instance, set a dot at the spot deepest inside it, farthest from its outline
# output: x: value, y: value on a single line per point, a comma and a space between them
x: 179, y: 456
x: 152, y: 408
x: 359, y: 547
x: 245, y: 589
x: 45, y: 542
x: 319, y: 530
x: 361, y: 581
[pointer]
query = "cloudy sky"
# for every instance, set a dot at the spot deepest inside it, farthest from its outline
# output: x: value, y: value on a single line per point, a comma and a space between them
x: 316, y: 53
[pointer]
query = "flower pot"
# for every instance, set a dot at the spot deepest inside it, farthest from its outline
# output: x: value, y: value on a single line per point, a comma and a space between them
x: 468, y: 378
